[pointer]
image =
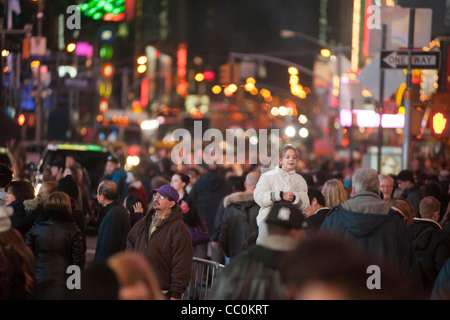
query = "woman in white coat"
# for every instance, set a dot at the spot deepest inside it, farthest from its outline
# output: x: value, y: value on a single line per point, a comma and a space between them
x: 281, y: 183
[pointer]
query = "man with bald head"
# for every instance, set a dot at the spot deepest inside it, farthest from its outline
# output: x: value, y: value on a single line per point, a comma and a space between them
x: 114, y: 221
x: 239, y: 217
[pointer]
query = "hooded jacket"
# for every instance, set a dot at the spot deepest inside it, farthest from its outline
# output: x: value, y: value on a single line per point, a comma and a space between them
x: 238, y: 221
x: 432, y: 247
x: 169, y: 250
x: 385, y: 235
x: 57, y: 243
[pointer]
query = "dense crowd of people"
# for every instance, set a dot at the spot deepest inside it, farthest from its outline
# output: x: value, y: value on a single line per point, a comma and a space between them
x: 281, y: 232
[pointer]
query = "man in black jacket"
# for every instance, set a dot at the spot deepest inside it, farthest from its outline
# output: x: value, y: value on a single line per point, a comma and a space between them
x: 239, y: 217
x: 115, y: 223
x: 431, y: 244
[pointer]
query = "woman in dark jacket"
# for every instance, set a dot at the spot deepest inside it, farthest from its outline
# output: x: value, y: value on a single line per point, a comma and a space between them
x: 197, y: 225
x: 17, y: 191
x: 57, y: 243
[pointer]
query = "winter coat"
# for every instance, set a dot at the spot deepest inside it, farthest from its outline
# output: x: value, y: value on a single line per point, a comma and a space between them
x: 196, y: 223
x: 254, y: 274
x: 169, y: 250
x: 113, y: 231
x: 441, y: 289
x: 432, y: 247
x: 57, y: 243
x: 18, y: 217
x: 207, y: 192
x: 268, y: 190
x: 315, y: 221
x: 238, y: 221
x: 383, y: 235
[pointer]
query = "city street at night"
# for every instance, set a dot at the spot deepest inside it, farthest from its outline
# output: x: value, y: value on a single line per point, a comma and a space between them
x: 212, y: 151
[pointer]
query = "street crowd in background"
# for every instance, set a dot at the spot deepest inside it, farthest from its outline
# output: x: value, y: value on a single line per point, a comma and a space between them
x: 282, y: 232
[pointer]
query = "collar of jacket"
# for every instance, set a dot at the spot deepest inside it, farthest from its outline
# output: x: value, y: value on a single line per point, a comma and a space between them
x: 55, y: 213
x: 172, y: 216
x: 284, y: 173
x: 427, y: 220
x: 238, y: 197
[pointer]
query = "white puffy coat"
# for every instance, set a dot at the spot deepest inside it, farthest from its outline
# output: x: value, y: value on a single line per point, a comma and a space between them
x: 278, y: 180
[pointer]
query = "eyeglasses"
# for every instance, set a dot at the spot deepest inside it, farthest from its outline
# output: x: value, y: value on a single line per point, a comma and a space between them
x: 159, y: 196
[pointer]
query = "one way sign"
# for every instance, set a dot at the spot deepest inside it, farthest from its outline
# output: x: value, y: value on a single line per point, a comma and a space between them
x: 419, y: 59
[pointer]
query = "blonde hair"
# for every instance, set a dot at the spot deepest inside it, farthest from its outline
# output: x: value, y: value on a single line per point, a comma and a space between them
x: 404, y: 208
x: 47, y: 187
x: 334, y: 193
x: 60, y: 200
x: 132, y: 268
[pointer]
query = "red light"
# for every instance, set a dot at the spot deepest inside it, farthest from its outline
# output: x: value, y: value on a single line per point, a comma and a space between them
x: 21, y: 119
x: 144, y: 92
x: 209, y: 75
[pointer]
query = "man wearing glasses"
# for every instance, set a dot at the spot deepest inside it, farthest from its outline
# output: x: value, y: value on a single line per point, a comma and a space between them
x: 164, y: 239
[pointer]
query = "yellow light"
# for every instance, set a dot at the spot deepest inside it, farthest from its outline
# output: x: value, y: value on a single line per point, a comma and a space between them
x: 249, y: 86
x: 199, y: 77
x: 5, y: 53
x: 216, y: 89
x: 251, y: 80
x: 265, y: 93
x: 401, y: 110
x: 232, y: 87
x: 142, y: 60
x: 274, y: 111
x: 293, y: 71
x: 293, y: 80
x: 325, y: 53
x: 71, y: 47
x: 141, y: 68
x: 35, y: 63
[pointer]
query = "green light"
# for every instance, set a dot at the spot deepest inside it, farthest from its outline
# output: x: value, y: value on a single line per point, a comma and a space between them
x: 79, y: 147
x: 96, y: 9
x: 97, y: 16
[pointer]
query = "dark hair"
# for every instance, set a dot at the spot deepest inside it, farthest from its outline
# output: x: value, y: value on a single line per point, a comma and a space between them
x: 21, y: 189
x: 317, y: 194
x: 6, y: 175
x: 184, y: 178
x: 131, y: 200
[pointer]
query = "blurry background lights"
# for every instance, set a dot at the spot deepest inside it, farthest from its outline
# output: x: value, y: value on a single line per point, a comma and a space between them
x: 142, y: 60
x: 302, y: 119
x: 71, y: 47
x: 216, y: 89
x: 325, y: 53
x: 290, y: 131
x: 253, y: 140
x: 149, y: 124
x: 199, y: 77
x: 303, y: 132
x: 293, y: 71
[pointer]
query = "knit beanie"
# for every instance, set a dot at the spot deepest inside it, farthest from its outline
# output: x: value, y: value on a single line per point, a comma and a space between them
x: 68, y: 186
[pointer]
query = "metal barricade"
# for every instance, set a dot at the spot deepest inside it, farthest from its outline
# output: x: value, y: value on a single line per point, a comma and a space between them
x: 203, y: 274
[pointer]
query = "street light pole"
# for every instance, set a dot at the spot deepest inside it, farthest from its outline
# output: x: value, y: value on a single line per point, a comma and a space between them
x: 39, y: 111
x: 408, y: 95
